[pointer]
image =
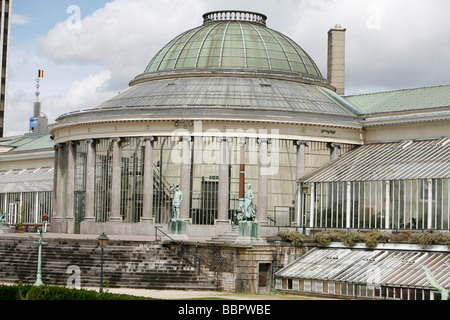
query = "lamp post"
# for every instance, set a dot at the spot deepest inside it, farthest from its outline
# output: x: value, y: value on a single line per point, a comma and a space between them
x: 102, y: 241
x: 39, y: 276
x: 305, y: 197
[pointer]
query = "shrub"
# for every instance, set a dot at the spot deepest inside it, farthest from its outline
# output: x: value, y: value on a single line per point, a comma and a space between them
x: 349, y: 238
x: 29, y: 292
x: 429, y: 237
x: 372, y: 238
x: 323, y: 238
x: 291, y: 236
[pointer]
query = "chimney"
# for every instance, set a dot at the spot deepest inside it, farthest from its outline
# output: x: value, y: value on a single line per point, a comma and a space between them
x: 336, y: 58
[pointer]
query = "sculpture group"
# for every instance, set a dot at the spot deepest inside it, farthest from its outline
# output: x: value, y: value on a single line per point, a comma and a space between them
x: 246, y: 210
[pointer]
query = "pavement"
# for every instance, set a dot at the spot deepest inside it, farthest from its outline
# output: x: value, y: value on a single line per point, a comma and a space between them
x: 183, y: 295
x: 204, y: 295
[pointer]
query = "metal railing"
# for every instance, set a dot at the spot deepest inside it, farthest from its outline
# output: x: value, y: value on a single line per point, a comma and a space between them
x: 185, y: 254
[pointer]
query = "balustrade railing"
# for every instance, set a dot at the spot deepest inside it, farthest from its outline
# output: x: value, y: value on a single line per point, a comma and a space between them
x: 232, y: 15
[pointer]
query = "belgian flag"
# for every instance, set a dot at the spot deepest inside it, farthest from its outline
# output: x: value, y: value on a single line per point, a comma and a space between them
x: 40, y: 73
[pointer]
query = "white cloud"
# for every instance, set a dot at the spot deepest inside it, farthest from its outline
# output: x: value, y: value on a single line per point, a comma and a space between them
x: 123, y: 36
x: 82, y: 94
x: 390, y: 45
x: 20, y: 19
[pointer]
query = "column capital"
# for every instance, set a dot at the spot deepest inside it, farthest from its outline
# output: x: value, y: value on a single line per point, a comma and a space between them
x: 264, y: 140
x: 224, y: 139
x: 302, y: 142
x: 185, y: 138
x: 151, y: 139
x: 115, y: 140
x: 336, y: 145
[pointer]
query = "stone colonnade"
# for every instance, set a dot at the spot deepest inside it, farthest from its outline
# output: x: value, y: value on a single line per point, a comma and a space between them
x: 64, y: 184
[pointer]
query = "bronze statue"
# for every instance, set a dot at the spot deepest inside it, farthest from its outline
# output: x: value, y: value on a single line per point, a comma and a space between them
x: 176, y: 201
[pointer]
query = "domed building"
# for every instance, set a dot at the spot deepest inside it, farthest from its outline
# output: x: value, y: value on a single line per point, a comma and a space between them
x: 226, y: 106
x: 232, y: 107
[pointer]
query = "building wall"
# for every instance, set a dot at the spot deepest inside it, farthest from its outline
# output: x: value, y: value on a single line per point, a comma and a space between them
x: 243, y: 268
x: 397, y: 132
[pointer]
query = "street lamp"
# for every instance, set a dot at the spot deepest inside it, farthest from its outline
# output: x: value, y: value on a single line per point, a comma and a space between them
x: 102, y: 241
x: 39, y: 276
x: 305, y: 188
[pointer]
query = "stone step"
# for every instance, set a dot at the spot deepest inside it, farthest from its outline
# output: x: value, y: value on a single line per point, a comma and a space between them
x: 124, y: 264
x: 228, y: 236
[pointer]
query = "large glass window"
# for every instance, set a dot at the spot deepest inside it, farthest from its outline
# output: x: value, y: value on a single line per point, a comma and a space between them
x: 398, y: 204
x: 132, y: 176
x: 103, y: 176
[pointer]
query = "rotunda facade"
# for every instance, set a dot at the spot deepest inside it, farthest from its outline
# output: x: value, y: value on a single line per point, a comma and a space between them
x: 228, y: 106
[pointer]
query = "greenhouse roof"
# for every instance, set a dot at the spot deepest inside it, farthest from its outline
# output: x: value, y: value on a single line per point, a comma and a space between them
x: 26, y: 180
x: 412, y: 159
x: 386, y: 267
x: 402, y: 100
x: 28, y: 142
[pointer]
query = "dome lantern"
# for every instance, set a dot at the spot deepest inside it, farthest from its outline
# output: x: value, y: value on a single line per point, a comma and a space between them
x: 234, y: 15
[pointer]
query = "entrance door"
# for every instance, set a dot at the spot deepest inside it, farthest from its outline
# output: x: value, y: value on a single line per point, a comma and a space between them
x: 79, y: 210
x: 265, y: 278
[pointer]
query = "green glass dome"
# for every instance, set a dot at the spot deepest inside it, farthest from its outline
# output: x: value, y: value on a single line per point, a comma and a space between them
x: 233, y: 39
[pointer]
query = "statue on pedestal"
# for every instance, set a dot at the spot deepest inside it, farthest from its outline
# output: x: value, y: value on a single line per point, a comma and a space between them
x: 246, y: 211
x: 176, y: 202
x: 249, y: 210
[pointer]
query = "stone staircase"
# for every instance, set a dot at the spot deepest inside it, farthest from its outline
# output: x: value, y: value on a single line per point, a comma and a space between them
x: 125, y: 264
x: 229, y: 236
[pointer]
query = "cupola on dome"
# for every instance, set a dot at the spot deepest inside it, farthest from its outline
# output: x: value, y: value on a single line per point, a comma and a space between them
x: 233, y: 39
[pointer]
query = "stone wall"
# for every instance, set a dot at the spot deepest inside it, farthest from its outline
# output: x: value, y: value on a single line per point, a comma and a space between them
x: 242, y: 268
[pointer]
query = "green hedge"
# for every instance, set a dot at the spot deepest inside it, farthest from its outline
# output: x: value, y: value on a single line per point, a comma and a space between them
x: 30, y: 292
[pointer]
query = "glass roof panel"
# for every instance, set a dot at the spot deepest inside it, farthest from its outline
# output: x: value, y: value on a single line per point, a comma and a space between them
x: 227, y: 39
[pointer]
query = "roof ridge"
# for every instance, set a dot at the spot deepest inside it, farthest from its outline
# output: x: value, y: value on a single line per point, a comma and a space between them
x: 398, y: 90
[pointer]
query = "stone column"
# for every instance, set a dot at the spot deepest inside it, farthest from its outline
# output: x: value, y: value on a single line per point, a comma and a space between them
x: 242, y: 143
x: 224, y: 182
x: 262, y: 181
x: 116, y: 182
x: 349, y: 203
x: 57, y: 201
x: 387, y: 205
x: 70, y: 181
x: 311, y: 208
x: 335, y: 151
x: 185, y: 177
x: 147, y: 205
x: 430, y: 204
x: 90, y: 182
x: 300, y: 172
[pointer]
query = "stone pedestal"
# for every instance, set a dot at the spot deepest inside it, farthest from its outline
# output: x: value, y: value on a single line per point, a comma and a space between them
x: 5, y: 229
x: 249, y: 232
x: 177, y: 230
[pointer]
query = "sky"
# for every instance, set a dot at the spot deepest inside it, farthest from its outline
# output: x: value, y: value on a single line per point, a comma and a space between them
x: 91, y: 49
